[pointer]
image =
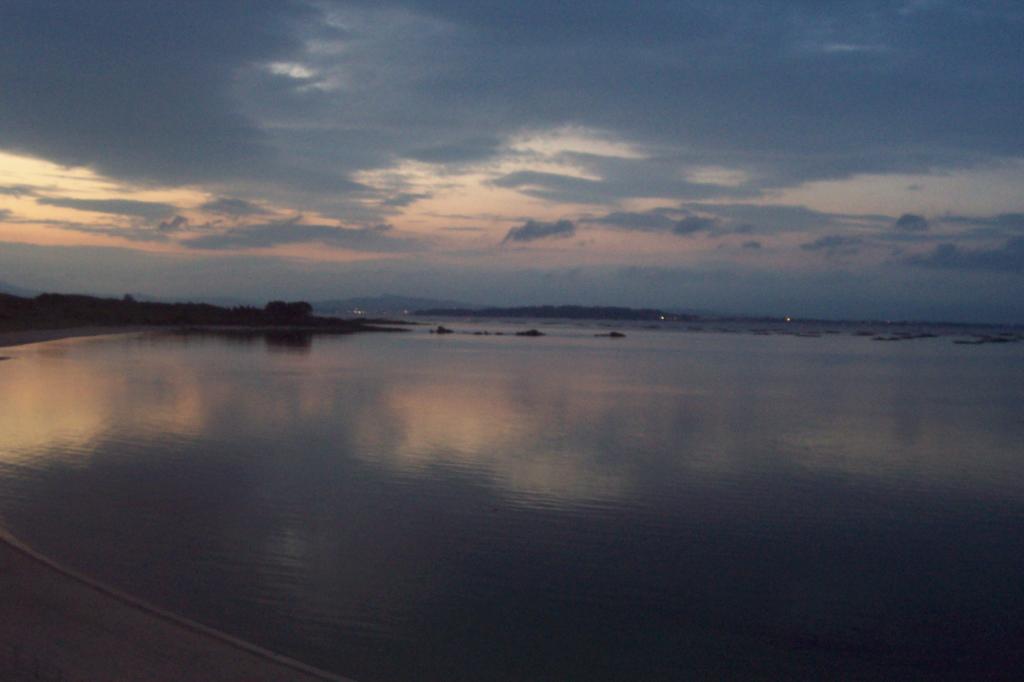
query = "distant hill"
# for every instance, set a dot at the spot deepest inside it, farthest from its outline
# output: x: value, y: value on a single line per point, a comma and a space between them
x: 388, y: 304
x: 13, y: 290
x: 58, y: 311
x: 570, y: 312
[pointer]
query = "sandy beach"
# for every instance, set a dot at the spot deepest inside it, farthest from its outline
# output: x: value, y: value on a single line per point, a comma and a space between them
x: 27, y: 336
x: 56, y: 624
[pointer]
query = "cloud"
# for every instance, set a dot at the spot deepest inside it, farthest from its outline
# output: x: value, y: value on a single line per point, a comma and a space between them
x: 746, y: 218
x: 233, y: 207
x: 128, y: 207
x: 833, y: 244
x: 911, y: 222
x: 1007, y: 258
x: 278, y: 94
x: 133, y: 234
x: 675, y: 221
x: 372, y: 239
x: 618, y: 178
x: 753, y: 245
x: 4, y: 214
x: 884, y: 293
x: 1010, y: 221
x: 694, y: 224
x: 403, y: 199
x: 174, y: 224
x: 17, y: 190
x: 554, y: 186
x: 533, y: 230
x: 114, y: 100
x: 460, y: 151
x: 650, y: 221
x: 273, y: 100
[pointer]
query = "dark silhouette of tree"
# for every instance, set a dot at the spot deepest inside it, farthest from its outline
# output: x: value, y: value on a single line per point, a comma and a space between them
x: 288, y: 312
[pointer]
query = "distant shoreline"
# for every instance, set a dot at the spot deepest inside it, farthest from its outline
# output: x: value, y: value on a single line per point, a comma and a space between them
x: 52, y: 316
x: 28, y: 336
x: 24, y: 337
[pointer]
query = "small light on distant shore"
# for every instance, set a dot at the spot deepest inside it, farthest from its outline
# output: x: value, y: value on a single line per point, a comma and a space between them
x: 788, y: 318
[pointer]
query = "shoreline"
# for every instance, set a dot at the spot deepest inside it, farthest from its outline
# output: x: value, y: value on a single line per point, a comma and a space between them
x: 24, y: 337
x: 59, y: 620
x: 62, y: 624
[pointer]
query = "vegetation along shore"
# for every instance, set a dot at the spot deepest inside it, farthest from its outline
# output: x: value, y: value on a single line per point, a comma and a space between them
x: 49, y: 314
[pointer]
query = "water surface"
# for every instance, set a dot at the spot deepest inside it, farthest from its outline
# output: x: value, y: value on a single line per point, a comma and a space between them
x: 661, y: 507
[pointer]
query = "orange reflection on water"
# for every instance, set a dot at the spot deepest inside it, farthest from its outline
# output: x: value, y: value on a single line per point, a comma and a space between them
x: 55, y: 404
x: 494, y: 430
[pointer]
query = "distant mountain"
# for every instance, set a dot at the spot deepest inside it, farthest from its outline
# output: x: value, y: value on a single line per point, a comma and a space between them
x: 6, y: 288
x: 221, y: 301
x: 569, y: 312
x: 388, y: 304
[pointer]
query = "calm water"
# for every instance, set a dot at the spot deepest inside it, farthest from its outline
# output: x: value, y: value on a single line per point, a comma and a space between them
x: 662, y: 507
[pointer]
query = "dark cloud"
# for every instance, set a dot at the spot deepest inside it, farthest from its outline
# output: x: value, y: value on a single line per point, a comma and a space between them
x: 174, y: 224
x: 833, y: 244
x: 652, y: 221
x: 373, y: 239
x: 17, y: 190
x: 675, y: 221
x: 911, y: 222
x: 140, y: 234
x: 1007, y: 258
x: 533, y: 230
x: 137, y: 90
x: 694, y: 224
x: 1011, y: 221
x: 233, y: 207
x: 270, y: 99
x: 680, y: 75
x: 753, y: 245
x: 554, y: 187
x: 405, y: 199
x: 745, y: 218
x: 462, y: 151
x: 127, y: 207
x: 619, y: 179
x: 4, y: 214
x: 784, y: 93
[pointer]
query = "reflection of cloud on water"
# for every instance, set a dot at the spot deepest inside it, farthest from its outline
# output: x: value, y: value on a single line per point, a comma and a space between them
x: 944, y: 454
x: 60, y: 402
x: 37, y: 413
x: 487, y: 430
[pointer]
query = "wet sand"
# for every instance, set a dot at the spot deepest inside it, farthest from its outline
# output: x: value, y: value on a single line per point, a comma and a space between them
x: 60, y: 625
x: 26, y: 336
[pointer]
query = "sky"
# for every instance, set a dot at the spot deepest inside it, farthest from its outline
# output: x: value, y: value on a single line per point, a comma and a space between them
x: 817, y: 159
